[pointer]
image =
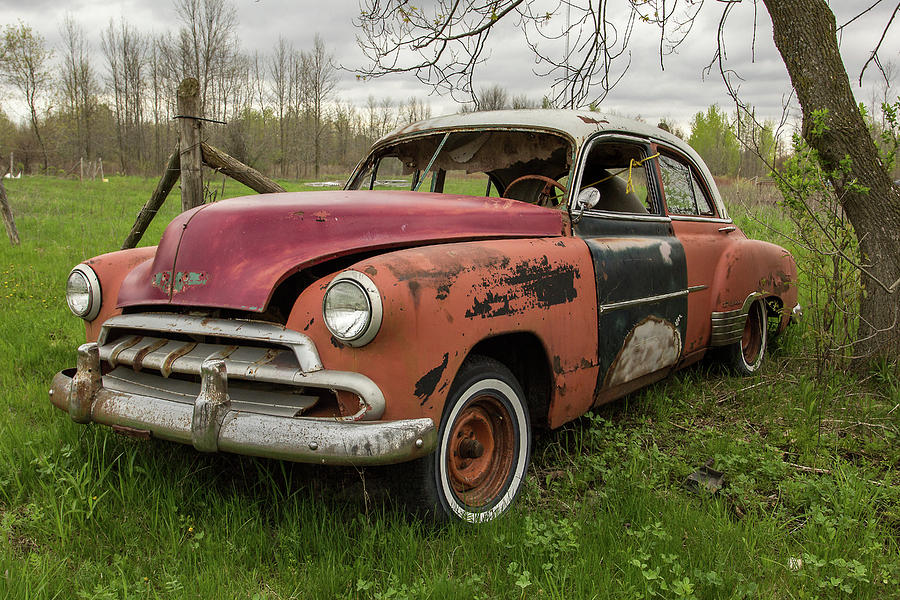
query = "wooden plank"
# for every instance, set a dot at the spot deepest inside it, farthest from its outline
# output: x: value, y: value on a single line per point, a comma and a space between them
x: 6, y: 212
x: 253, y: 179
x: 165, y: 185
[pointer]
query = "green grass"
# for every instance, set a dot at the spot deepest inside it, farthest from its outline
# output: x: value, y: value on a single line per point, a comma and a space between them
x: 85, y: 513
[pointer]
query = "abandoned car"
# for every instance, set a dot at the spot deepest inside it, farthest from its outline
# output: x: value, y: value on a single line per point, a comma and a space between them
x: 479, y: 276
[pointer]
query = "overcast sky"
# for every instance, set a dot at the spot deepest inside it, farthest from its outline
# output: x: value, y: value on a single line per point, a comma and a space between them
x: 675, y: 93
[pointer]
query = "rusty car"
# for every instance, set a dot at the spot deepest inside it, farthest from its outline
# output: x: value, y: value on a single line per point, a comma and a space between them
x: 480, y: 276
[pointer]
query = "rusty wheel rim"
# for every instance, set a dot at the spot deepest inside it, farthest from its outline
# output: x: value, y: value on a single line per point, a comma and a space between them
x: 481, y: 452
x: 752, y: 338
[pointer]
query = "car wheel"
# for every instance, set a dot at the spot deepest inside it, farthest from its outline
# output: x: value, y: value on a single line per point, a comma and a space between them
x: 484, y: 445
x: 746, y: 355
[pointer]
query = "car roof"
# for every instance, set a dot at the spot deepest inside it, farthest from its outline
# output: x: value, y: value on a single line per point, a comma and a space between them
x: 577, y: 125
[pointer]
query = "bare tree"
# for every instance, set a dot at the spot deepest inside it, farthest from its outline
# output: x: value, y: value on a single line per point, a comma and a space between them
x: 206, y: 44
x: 493, y: 97
x: 444, y: 44
x: 79, y: 82
x: 126, y: 55
x: 321, y: 80
x: 24, y: 64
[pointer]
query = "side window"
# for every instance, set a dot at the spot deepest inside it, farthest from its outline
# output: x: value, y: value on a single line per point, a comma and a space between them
x: 617, y: 171
x: 684, y: 194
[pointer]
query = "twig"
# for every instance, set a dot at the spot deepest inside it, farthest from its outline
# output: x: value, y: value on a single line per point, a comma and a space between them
x: 733, y: 394
x: 806, y: 469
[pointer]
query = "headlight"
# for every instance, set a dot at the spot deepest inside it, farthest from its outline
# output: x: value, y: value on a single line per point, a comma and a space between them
x: 352, y: 308
x: 83, y: 292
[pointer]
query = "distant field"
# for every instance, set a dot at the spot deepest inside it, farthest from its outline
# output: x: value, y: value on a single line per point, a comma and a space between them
x: 811, y: 506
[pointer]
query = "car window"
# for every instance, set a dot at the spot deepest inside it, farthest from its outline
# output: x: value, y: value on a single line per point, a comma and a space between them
x: 618, y: 170
x: 529, y: 166
x: 684, y: 193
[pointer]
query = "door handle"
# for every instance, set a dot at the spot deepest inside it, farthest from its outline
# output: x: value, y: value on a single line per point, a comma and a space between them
x: 727, y: 229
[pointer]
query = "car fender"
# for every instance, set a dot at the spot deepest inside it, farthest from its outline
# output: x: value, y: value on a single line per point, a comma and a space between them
x: 750, y: 267
x: 440, y: 301
x: 111, y: 269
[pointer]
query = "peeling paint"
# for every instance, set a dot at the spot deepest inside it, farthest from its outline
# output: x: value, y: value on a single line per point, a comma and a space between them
x: 652, y: 345
x: 165, y: 282
x: 426, y: 384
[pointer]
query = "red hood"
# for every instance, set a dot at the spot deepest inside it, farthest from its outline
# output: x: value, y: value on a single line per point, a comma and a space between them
x: 232, y: 254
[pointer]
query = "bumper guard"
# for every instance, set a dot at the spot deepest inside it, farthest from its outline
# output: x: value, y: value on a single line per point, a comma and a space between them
x: 211, y: 425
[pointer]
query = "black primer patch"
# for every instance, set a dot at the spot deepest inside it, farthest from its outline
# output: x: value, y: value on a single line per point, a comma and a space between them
x: 426, y: 384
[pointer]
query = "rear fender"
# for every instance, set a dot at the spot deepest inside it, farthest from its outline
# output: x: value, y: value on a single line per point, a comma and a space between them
x: 754, y: 268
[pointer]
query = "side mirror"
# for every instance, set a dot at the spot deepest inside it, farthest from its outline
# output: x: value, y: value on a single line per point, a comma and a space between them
x: 587, y: 198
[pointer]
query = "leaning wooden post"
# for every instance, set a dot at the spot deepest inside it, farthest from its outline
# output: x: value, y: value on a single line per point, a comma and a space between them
x: 11, y: 230
x: 166, y: 182
x: 189, y: 144
x: 253, y: 179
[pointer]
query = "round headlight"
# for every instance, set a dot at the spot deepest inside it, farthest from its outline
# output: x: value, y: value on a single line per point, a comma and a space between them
x: 83, y: 292
x: 352, y: 308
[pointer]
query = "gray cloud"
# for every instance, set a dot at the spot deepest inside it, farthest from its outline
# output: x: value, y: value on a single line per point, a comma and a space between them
x: 676, y: 93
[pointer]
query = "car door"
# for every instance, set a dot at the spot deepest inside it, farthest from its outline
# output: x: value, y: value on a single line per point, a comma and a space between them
x: 639, y: 265
x: 703, y: 233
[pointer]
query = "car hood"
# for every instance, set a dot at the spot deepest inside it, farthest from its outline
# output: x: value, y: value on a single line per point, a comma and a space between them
x: 234, y: 253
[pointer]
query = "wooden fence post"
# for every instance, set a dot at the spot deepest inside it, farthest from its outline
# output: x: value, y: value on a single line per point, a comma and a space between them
x: 189, y: 144
x: 6, y: 212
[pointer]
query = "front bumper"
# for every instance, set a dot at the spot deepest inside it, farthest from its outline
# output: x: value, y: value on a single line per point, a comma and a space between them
x: 210, y: 424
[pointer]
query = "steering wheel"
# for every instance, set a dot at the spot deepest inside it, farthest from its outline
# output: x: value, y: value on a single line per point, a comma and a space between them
x: 545, y: 197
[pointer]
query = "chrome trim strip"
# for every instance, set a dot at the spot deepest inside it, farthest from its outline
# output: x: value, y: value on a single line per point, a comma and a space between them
x: 622, y: 216
x: 647, y: 300
x: 727, y: 327
x: 239, y: 329
x: 700, y: 219
x: 299, y: 439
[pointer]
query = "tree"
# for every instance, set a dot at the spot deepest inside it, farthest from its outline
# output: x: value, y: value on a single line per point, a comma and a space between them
x: 79, y: 82
x: 444, y: 45
x: 24, y: 64
x: 713, y: 140
x: 319, y: 68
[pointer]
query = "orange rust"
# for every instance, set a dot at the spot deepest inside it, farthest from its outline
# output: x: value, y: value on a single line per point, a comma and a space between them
x: 111, y: 269
x: 449, y: 298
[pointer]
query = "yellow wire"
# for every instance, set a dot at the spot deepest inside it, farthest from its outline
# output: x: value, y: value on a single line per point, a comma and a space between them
x: 629, y: 186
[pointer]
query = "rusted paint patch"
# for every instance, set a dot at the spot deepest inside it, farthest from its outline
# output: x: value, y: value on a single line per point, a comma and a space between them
x: 166, y: 283
x: 426, y: 384
x: 592, y: 121
x: 652, y: 345
x: 530, y: 285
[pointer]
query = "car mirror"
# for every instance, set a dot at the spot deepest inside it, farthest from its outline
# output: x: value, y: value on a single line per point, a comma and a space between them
x: 588, y: 198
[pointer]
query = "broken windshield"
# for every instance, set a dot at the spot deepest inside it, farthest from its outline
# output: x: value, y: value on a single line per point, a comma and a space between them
x: 479, y: 163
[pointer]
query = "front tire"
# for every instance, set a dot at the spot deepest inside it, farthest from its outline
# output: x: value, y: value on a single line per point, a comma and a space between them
x: 484, y: 446
x: 746, y: 355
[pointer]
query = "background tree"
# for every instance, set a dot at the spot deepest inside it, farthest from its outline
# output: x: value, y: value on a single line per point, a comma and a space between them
x: 79, y: 83
x: 712, y: 138
x: 444, y: 45
x: 24, y: 65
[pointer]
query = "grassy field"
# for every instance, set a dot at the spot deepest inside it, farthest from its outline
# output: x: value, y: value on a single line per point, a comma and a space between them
x: 810, y: 509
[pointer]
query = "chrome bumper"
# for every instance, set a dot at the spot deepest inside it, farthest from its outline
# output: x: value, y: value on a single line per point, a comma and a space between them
x: 211, y: 425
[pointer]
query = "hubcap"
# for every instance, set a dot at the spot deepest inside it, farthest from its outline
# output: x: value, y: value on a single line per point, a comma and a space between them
x: 481, y: 451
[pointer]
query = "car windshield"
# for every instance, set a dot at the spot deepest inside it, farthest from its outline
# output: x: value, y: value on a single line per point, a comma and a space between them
x: 531, y: 166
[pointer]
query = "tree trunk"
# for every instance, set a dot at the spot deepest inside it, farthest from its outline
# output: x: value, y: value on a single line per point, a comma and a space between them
x: 806, y: 36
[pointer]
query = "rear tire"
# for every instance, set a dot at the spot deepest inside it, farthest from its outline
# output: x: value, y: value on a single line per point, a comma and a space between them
x: 746, y: 355
x: 484, y: 446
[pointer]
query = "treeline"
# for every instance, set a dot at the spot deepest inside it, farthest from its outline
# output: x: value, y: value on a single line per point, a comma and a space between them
x: 116, y: 100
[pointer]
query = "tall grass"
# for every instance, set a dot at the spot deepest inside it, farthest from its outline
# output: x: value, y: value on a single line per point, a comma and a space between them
x: 810, y: 509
